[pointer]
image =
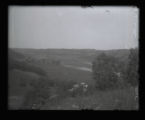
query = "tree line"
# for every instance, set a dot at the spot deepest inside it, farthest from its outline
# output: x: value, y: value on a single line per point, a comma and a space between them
x: 109, y: 72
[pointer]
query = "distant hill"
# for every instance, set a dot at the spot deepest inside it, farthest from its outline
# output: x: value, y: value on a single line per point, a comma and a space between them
x: 88, y: 54
x: 16, y: 61
x: 15, y: 55
x: 68, y: 51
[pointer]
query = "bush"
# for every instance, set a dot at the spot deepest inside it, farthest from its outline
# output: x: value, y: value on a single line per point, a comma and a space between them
x: 103, y: 71
x: 39, y: 93
x: 132, y: 69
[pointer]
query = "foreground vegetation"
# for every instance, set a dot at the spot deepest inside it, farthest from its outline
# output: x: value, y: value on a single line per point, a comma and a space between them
x: 36, y: 84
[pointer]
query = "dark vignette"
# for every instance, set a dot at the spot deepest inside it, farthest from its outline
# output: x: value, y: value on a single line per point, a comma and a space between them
x: 84, y: 3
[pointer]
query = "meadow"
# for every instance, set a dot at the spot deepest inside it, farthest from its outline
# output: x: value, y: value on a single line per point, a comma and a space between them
x: 40, y: 79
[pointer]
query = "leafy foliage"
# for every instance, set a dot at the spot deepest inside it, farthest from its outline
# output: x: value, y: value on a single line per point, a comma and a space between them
x: 132, y: 69
x: 104, y: 68
x: 38, y: 94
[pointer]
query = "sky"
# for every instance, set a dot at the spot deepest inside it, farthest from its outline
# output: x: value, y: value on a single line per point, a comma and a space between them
x: 73, y: 27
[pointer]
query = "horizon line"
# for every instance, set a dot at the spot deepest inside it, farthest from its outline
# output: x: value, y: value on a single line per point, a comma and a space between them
x: 75, y: 48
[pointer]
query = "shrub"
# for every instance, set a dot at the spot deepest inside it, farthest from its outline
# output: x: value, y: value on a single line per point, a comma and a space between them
x: 39, y: 93
x: 103, y: 71
x: 132, y: 69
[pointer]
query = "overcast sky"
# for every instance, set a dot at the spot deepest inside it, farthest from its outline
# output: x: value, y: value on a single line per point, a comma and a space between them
x: 73, y: 27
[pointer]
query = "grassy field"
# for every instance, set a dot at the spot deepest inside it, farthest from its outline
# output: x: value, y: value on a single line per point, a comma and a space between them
x: 98, y: 100
x: 30, y: 89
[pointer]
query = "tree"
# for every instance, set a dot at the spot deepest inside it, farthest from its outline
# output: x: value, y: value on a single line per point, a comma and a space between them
x: 104, y: 68
x: 132, y: 69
